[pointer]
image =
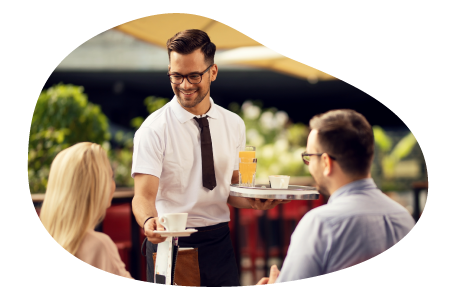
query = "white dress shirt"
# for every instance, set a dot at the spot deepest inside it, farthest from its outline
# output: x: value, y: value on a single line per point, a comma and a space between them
x: 167, y: 145
x: 358, y: 223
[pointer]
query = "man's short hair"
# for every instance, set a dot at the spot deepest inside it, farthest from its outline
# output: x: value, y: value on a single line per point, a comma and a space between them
x: 187, y: 41
x: 347, y: 136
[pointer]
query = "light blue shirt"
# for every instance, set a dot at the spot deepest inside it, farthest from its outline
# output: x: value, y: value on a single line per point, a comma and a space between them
x: 358, y: 223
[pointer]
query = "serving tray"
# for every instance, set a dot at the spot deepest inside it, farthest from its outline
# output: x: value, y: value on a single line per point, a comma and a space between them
x: 262, y: 191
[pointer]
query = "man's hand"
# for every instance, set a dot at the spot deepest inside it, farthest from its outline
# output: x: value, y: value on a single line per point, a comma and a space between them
x: 149, y: 227
x: 265, y: 204
x: 272, y: 276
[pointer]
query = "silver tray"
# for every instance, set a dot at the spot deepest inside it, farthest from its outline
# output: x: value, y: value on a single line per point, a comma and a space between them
x: 262, y: 191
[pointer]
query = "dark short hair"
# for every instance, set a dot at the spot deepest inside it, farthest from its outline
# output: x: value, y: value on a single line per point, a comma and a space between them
x: 187, y: 41
x: 346, y: 135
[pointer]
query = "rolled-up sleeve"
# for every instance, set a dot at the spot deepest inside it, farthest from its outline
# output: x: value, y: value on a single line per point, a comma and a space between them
x: 148, y: 149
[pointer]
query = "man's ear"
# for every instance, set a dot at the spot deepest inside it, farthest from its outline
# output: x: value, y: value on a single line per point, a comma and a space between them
x: 328, y: 165
x: 214, y: 72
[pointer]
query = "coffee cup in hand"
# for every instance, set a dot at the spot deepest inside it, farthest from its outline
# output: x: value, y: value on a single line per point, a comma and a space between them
x: 279, y: 181
x: 174, y: 221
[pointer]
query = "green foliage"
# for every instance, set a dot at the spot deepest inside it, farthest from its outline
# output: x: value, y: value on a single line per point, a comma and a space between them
x: 63, y: 117
x: 399, y: 163
x: 297, y: 134
x: 136, y: 122
x: 404, y: 147
x: 381, y: 139
x: 154, y: 103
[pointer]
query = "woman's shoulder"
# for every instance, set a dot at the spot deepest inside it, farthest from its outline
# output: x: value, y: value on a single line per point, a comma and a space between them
x: 98, y: 262
x: 95, y: 245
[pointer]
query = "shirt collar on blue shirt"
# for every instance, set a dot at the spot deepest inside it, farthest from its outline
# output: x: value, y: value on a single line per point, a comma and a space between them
x: 362, y: 184
x: 183, y: 115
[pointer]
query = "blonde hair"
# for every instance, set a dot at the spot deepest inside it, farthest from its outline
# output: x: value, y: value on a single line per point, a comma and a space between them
x: 77, y: 195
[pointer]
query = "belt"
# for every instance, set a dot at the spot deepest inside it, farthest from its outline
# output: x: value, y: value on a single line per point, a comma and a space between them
x: 211, y: 227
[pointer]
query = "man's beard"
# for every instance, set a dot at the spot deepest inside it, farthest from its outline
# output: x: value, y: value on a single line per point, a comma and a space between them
x: 324, y: 192
x: 194, y: 103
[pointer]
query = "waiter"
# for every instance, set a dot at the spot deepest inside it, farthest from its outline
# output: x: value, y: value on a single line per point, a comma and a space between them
x: 185, y: 158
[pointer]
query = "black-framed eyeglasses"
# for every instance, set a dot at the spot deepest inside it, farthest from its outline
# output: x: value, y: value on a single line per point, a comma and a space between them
x: 193, y: 78
x: 306, y: 156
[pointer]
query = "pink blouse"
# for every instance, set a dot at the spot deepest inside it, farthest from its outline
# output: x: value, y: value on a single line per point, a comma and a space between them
x: 98, y: 250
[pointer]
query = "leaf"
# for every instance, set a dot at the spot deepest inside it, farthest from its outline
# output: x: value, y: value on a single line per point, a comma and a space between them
x: 404, y: 147
x: 136, y: 122
x: 155, y: 103
x: 381, y: 139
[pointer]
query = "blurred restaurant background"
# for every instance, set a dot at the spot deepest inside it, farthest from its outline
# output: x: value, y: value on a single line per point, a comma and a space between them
x: 103, y: 90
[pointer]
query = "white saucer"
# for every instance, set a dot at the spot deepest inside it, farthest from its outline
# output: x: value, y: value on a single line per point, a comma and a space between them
x: 187, y: 232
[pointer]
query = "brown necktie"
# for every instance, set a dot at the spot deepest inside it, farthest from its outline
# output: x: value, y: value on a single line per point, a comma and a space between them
x: 206, y: 154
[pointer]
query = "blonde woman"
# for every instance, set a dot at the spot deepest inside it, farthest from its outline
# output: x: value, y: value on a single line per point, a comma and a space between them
x: 79, y: 191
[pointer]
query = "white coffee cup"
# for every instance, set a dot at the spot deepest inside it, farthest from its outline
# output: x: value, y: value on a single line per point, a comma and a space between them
x: 174, y: 221
x: 279, y: 181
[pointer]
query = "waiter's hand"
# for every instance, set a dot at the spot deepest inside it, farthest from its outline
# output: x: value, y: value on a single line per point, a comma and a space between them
x: 272, y: 276
x: 265, y: 204
x: 149, y: 227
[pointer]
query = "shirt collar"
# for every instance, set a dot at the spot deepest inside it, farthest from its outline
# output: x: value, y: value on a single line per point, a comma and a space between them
x: 183, y: 115
x: 352, y: 187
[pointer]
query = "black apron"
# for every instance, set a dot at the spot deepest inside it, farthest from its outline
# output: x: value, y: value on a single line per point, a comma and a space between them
x: 215, y: 255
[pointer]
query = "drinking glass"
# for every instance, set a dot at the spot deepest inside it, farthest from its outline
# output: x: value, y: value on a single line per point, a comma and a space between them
x: 247, y: 166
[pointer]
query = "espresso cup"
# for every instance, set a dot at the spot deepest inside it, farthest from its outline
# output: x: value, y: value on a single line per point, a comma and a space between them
x: 279, y: 181
x: 174, y: 221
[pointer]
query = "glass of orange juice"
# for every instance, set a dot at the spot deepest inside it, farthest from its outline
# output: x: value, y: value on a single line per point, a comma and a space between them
x: 247, y: 166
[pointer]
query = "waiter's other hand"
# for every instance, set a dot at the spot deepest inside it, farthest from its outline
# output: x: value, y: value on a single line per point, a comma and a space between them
x: 265, y: 204
x: 149, y: 227
x: 272, y: 276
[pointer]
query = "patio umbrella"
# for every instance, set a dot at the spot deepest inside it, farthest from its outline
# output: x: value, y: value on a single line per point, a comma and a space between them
x: 349, y: 62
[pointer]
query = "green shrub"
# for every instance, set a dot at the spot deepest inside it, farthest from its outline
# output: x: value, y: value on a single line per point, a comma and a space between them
x: 63, y: 117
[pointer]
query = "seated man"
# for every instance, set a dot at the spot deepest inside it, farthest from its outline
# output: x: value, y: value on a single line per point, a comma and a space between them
x: 359, y: 221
